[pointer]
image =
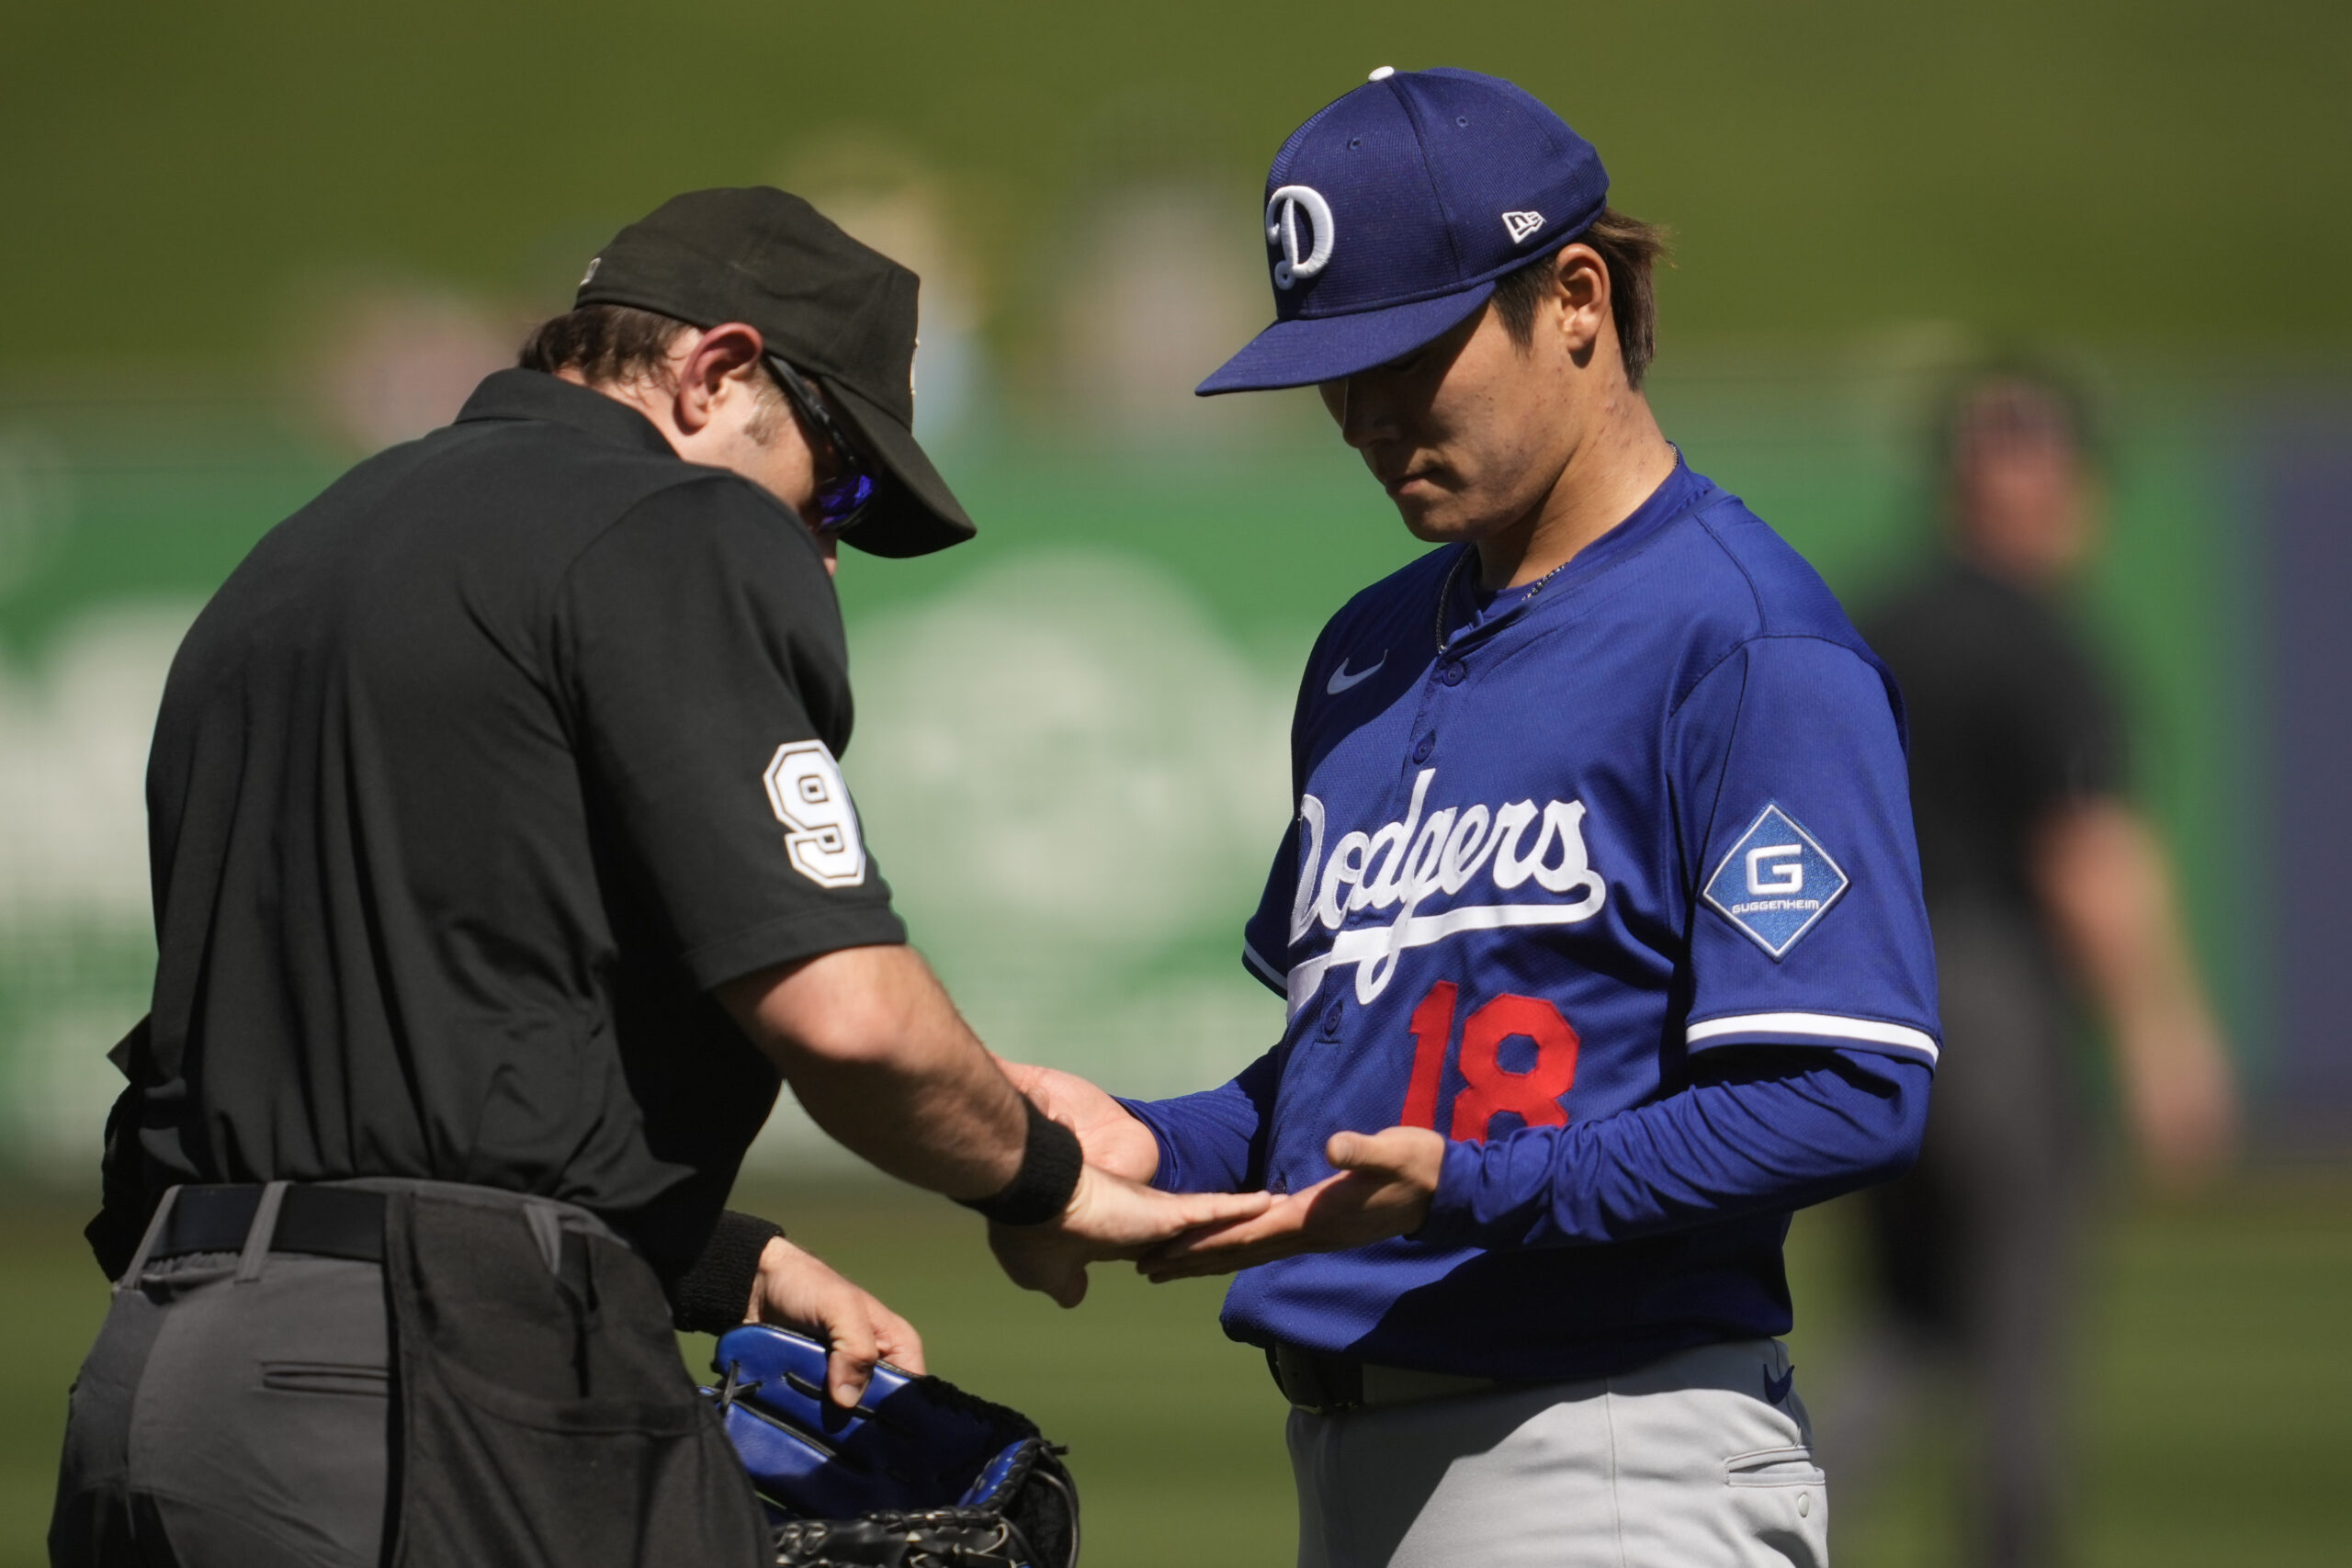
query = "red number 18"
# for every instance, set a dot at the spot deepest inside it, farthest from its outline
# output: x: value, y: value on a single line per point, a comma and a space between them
x: 1489, y: 1087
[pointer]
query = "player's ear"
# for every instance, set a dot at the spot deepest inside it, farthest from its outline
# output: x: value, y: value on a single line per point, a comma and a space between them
x: 730, y: 349
x: 1581, y: 293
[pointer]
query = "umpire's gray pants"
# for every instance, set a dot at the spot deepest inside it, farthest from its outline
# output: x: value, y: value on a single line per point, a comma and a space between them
x: 222, y: 1419
x: 1688, y: 1462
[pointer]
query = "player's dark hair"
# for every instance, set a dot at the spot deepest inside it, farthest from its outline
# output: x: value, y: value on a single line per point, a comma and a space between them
x: 1631, y: 250
x: 604, y: 344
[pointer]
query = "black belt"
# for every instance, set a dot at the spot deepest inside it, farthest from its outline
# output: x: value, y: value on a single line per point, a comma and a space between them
x: 1326, y: 1384
x: 1316, y: 1380
x: 332, y: 1222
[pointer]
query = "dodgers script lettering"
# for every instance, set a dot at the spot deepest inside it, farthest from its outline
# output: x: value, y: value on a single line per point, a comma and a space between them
x: 1402, y: 865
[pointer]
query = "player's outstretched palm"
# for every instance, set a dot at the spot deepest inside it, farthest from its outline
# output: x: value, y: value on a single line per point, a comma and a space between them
x: 1384, y: 1185
x: 1109, y: 1216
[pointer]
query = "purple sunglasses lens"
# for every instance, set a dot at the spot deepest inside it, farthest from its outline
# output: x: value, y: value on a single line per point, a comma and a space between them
x: 842, y: 505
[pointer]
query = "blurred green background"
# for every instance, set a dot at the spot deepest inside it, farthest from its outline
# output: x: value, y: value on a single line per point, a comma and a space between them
x: 2160, y: 172
x: 249, y: 243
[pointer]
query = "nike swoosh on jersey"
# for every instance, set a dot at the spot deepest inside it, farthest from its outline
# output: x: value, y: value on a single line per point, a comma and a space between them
x: 1342, y: 680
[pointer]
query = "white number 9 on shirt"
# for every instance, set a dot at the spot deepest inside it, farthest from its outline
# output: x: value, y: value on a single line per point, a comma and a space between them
x: 805, y: 787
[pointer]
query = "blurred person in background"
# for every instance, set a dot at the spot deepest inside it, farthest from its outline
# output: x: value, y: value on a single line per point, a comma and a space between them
x: 2046, y: 886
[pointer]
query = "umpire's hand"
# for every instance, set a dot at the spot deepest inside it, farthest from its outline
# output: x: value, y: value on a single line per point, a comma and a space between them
x: 1111, y: 1135
x: 797, y: 1291
x: 1108, y: 1216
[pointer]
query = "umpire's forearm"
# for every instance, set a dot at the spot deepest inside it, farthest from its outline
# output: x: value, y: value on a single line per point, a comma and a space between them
x: 877, y: 1053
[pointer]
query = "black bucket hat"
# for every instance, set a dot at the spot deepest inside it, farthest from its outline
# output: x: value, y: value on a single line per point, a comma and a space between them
x: 838, y: 312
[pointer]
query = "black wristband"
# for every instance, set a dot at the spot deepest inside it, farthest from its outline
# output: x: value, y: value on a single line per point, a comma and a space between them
x: 1040, y: 1189
x: 715, y: 1291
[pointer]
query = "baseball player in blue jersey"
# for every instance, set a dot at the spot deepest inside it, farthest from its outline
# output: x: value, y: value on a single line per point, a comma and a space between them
x: 1600, y: 921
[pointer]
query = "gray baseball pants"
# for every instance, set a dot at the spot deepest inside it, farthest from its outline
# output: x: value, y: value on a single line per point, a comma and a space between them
x: 222, y: 1419
x: 1974, y: 1253
x: 1688, y: 1462
x: 503, y: 1389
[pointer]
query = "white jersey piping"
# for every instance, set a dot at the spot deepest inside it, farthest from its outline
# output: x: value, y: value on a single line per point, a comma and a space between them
x: 1826, y: 1025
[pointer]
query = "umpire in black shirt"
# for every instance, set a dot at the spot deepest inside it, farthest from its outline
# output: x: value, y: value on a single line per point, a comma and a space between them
x: 503, y: 864
x: 2046, y: 887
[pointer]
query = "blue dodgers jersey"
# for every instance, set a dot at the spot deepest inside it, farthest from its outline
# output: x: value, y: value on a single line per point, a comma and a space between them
x: 1658, y: 809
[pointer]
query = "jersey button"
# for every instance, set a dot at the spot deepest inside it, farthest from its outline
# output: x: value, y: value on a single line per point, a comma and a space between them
x: 1453, y: 673
x: 1332, y: 1016
x: 1422, y: 748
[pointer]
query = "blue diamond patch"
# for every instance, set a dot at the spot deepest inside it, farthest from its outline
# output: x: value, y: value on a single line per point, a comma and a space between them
x: 1775, y: 883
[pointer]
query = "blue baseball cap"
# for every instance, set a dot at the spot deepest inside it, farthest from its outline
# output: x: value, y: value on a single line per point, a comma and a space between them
x: 1391, y: 213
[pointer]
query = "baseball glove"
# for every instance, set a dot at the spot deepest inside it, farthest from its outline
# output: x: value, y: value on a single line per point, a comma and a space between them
x: 920, y: 1475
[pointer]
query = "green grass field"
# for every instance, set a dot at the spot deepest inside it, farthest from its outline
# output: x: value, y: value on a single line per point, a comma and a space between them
x: 2219, y: 1381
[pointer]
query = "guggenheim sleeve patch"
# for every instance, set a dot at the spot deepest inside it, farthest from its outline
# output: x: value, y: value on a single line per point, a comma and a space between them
x: 1776, y: 883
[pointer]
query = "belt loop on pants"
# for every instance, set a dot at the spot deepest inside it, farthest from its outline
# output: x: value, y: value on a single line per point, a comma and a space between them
x: 545, y: 1222
x: 156, y: 1227
x: 260, y: 1233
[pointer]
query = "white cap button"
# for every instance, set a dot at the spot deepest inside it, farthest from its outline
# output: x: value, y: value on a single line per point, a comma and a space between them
x: 1380, y: 73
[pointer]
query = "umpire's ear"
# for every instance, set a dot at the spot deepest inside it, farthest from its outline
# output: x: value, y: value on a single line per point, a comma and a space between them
x: 725, y: 363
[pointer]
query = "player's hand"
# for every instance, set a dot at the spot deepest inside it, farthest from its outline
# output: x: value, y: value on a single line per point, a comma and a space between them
x: 1384, y: 1187
x: 1112, y: 1137
x: 1109, y: 1216
x: 2184, y: 1118
x: 795, y: 1289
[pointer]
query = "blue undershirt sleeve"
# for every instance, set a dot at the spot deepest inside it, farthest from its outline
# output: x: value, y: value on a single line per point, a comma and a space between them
x: 1213, y: 1140
x: 1763, y: 1129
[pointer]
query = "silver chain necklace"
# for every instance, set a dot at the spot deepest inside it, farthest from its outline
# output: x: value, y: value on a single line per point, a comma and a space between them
x: 1446, y: 594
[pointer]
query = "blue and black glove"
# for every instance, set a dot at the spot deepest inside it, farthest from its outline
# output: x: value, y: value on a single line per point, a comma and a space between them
x: 920, y: 1475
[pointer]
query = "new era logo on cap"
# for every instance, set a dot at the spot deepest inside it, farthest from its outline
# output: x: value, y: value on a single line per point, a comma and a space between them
x: 1521, y: 224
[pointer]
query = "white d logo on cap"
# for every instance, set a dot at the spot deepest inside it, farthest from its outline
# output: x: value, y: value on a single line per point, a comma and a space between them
x: 1282, y: 229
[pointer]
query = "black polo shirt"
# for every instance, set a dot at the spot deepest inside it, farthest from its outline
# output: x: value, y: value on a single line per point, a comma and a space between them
x: 2010, y: 718
x: 468, y: 785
